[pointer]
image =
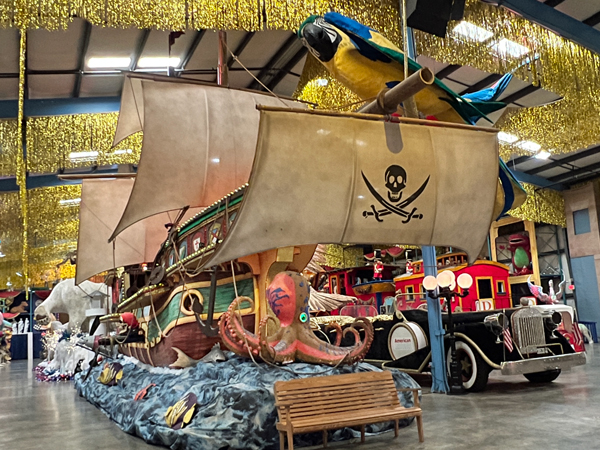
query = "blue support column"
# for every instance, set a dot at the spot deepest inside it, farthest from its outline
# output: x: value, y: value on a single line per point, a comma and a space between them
x: 439, y: 382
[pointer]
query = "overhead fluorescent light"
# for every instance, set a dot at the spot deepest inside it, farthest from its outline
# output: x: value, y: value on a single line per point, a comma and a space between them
x: 542, y: 155
x: 507, y: 137
x: 19, y: 274
x: 2, y: 255
x: 530, y: 146
x: 216, y: 160
x: 100, y: 62
x: 80, y: 156
x: 70, y: 201
x: 510, y: 48
x: 322, y: 82
x: 473, y: 32
x: 150, y: 62
x: 122, y: 152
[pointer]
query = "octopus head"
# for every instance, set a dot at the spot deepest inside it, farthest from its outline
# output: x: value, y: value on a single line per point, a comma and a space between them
x: 288, y: 296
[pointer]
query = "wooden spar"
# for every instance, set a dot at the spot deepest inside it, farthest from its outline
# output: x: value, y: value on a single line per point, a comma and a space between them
x: 222, y: 69
x: 388, y: 99
x: 431, y: 123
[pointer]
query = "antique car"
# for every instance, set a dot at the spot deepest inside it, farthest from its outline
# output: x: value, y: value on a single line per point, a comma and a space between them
x: 536, y: 341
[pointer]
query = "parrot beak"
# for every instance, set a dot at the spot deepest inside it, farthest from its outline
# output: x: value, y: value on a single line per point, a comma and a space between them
x: 319, y: 42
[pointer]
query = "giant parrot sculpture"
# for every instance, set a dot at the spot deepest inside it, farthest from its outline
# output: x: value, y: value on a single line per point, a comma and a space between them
x: 364, y: 61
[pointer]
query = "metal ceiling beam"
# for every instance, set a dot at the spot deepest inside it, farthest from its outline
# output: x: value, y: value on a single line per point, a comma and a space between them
x: 575, y: 173
x: 490, y: 79
x: 270, y: 66
x: 60, y: 106
x: 139, y: 49
x: 537, y: 181
x: 518, y: 160
x: 592, y: 21
x: 285, y: 70
x: 553, y: 3
x: 446, y: 71
x: 554, y: 20
x: 566, y: 160
x: 191, y: 49
x: 590, y: 177
x: 512, y: 98
x: 85, y: 43
x: 240, y: 48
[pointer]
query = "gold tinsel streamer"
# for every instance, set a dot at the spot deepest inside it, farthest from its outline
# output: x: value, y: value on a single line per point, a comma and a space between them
x: 21, y: 163
x: 50, y: 141
x: 342, y: 256
x: 542, y: 206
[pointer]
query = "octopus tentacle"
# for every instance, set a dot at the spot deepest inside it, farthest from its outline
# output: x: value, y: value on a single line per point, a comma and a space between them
x: 338, y: 332
x: 232, y: 328
x: 311, y: 349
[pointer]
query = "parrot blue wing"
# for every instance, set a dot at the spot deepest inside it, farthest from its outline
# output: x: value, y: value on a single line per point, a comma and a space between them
x: 514, y: 194
x: 385, y: 51
x: 493, y: 92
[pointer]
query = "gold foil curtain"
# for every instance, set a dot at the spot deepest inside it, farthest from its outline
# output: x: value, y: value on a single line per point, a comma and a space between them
x: 53, y: 227
x: 9, y: 147
x: 80, y: 140
x: 542, y: 205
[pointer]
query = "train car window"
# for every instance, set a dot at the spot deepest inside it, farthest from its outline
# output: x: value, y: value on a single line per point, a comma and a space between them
x: 500, y: 287
x: 484, y: 288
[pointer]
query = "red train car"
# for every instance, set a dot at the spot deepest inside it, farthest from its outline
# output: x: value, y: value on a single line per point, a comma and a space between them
x: 491, y: 289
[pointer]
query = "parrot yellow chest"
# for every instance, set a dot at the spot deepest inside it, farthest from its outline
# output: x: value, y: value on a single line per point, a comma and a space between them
x: 366, y: 78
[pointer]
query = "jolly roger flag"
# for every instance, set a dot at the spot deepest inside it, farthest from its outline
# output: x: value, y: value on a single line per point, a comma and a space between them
x: 319, y: 178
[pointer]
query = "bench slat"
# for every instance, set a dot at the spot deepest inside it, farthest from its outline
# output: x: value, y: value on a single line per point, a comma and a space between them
x: 352, y: 402
x: 336, y: 409
x: 309, y: 388
x: 336, y: 380
x: 335, y: 395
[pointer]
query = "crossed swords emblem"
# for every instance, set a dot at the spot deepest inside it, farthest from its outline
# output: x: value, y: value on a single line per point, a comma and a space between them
x: 389, y: 208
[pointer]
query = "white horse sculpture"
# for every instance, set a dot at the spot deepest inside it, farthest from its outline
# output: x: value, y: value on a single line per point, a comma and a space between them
x: 73, y: 300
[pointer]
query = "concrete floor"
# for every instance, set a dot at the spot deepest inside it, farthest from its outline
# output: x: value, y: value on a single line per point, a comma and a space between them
x: 511, y: 414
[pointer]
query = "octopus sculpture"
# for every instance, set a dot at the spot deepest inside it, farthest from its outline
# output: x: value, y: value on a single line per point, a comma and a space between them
x: 294, y: 340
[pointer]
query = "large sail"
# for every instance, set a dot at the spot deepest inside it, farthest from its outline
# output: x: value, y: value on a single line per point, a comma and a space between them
x: 101, y: 207
x: 345, y: 179
x: 199, y: 144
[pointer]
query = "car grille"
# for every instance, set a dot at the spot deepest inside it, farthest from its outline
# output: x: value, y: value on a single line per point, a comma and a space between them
x: 528, y: 330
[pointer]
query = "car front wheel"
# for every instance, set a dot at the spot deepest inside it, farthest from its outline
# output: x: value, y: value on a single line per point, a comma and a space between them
x: 543, y: 377
x: 474, y: 370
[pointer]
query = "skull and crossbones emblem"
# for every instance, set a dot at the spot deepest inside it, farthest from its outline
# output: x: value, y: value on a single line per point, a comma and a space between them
x: 395, y: 182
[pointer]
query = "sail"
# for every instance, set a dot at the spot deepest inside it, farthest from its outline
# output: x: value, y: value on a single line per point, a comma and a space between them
x: 344, y: 179
x: 131, y: 112
x: 199, y: 144
x: 102, y: 203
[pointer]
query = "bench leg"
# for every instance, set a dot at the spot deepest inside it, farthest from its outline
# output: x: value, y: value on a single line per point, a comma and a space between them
x: 324, y: 438
x: 362, y: 434
x: 281, y: 440
x: 420, y: 428
x: 290, y: 439
x: 396, y: 428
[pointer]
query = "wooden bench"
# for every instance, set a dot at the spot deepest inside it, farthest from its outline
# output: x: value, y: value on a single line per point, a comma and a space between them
x: 330, y: 402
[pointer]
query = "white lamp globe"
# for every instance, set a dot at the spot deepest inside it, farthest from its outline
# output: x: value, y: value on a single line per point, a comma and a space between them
x: 445, y: 278
x: 430, y: 283
x: 453, y: 285
x: 465, y: 281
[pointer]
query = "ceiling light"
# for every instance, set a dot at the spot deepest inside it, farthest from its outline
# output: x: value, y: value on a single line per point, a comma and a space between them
x: 216, y: 160
x: 158, y: 62
x: 507, y: 138
x: 2, y: 255
x: 80, y: 156
x: 471, y: 31
x: 122, y: 152
x: 530, y: 146
x: 70, y: 201
x: 510, y: 48
x: 322, y: 82
x: 108, y: 63
x: 543, y: 155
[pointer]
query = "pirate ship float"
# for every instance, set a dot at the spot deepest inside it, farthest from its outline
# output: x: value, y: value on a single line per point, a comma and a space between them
x: 249, y: 164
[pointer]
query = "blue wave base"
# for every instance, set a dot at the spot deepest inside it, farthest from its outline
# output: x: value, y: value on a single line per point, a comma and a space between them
x: 236, y: 406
